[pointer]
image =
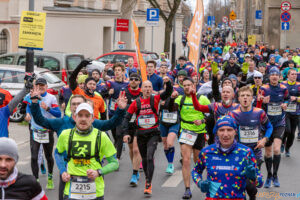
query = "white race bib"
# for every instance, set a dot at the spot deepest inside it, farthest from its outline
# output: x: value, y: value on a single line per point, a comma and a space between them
x: 113, y: 104
x: 41, y: 136
x: 265, y: 54
x: 188, y: 137
x: 292, y: 107
x: 146, y: 121
x: 82, y: 188
x: 274, y: 109
x: 169, y: 117
x: 248, y: 134
x: 133, y: 118
x: 242, y: 55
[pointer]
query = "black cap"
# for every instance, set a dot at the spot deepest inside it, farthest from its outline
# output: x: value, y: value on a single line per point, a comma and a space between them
x: 41, y: 81
x: 134, y: 75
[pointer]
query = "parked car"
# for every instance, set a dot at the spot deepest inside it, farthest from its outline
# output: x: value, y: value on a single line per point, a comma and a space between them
x: 61, y: 64
x: 123, y: 55
x: 12, y: 79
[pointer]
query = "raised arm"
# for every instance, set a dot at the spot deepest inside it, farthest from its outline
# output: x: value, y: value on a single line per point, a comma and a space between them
x: 73, y: 76
x: 198, y: 106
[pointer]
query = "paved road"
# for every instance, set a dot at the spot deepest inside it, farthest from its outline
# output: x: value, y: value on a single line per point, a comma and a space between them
x: 164, y: 186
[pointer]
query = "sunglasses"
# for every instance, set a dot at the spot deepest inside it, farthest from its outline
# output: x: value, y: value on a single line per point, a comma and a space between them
x: 134, y: 79
x: 257, y: 78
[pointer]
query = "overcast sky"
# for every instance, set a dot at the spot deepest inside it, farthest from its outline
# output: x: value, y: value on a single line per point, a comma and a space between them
x: 192, y: 3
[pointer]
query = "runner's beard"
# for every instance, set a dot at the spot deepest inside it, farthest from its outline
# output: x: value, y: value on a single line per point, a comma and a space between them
x: 227, y: 102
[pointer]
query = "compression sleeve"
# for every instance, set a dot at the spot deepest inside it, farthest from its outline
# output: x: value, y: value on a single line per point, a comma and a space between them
x: 60, y: 161
x: 53, y: 124
x: 105, y: 125
x: 73, y: 76
x: 269, y: 129
x: 198, y: 106
x: 111, y: 166
x: 16, y: 100
x: 55, y: 112
x: 125, y: 123
x: 215, y: 88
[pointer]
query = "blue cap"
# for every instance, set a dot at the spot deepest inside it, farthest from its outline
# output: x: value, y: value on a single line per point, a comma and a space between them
x: 225, y: 120
x: 274, y: 70
x: 232, y: 76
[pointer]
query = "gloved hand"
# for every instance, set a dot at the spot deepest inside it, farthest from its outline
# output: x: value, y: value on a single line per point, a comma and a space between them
x: 215, y: 68
x: 28, y: 80
x: 204, y: 186
x: 249, y: 171
x: 245, y: 68
x: 84, y: 63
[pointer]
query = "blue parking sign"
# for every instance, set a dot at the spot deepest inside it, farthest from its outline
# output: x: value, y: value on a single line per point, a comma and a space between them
x: 258, y: 14
x: 153, y: 14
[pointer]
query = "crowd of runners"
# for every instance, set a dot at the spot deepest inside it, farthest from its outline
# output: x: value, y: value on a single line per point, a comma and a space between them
x: 240, y: 100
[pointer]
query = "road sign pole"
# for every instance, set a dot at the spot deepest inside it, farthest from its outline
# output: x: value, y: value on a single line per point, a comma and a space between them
x: 29, y: 52
x: 152, y: 38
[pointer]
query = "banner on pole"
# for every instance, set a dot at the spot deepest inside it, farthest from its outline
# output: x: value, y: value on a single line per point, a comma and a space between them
x: 195, y: 33
x: 141, y: 61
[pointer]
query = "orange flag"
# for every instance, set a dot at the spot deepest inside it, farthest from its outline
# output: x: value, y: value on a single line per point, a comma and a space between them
x: 195, y: 33
x: 141, y: 61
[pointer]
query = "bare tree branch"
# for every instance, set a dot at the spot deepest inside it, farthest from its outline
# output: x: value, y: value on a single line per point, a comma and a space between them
x: 156, y: 5
x: 169, y: 4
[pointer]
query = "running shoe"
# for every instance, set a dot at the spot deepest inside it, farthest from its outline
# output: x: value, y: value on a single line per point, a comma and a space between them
x: 148, y: 189
x: 282, y: 148
x: 287, y: 153
x: 170, y: 168
x: 133, y: 180
x: 187, y: 194
x: 50, y: 184
x: 276, y: 182
x: 43, y: 168
x: 268, y: 183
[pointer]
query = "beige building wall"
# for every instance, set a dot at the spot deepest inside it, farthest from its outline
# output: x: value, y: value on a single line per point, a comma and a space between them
x: 270, y: 31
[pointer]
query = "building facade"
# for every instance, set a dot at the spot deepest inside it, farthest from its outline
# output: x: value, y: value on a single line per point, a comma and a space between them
x: 271, y: 30
x: 84, y: 26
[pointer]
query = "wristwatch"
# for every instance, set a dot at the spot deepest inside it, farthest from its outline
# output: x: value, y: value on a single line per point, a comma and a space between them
x: 99, y: 172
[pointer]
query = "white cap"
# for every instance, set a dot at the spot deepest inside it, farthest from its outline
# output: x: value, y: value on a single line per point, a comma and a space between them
x: 258, y: 74
x: 84, y: 106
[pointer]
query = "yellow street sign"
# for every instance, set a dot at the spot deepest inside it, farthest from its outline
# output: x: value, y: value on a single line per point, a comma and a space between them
x: 32, y: 30
x: 232, y: 15
x: 251, y: 39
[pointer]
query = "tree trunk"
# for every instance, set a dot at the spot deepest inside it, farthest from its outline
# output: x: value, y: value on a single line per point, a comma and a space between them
x: 168, y: 31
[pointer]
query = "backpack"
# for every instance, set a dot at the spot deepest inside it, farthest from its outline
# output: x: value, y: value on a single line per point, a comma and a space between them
x: 181, y: 104
x: 139, y: 105
x: 97, y: 147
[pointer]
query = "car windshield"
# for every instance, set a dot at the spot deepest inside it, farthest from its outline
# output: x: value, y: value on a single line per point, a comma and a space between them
x: 7, y: 60
x: 146, y: 57
x: 73, y: 62
x: 50, y: 78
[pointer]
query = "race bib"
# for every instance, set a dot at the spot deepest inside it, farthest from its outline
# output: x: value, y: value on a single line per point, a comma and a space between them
x: 188, y: 137
x: 292, y: 107
x: 41, y: 136
x: 274, y: 109
x: 248, y: 134
x: 146, y: 121
x: 242, y: 56
x: 82, y: 188
x: 265, y: 54
x: 113, y: 104
x: 169, y: 117
x: 133, y: 118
